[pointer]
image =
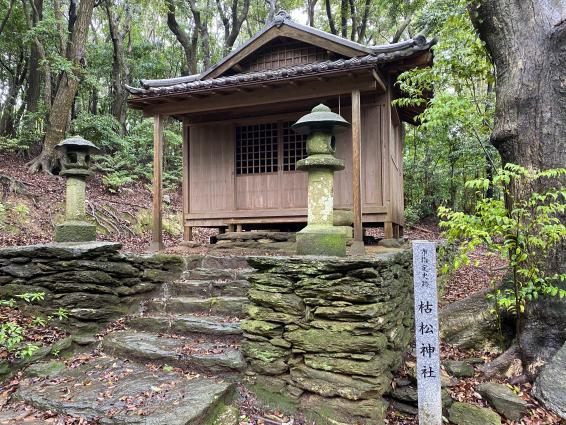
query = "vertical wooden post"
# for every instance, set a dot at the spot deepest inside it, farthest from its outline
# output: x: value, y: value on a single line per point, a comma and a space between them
x: 358, y: 244
x: 395, y: 231
x: 388, y: 230
x: 187, y: 230
x: 157, y: 233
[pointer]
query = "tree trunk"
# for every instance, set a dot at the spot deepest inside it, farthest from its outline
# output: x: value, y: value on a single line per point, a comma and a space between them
x: 202, y: 26
x: 233, y: 23
x: 93, y: 103
x: 6, y: 16
x: 344, y: 18
x: 120, y: 69
x: 188, y: 42
x: 527, y: 42
x: 8, y: 113
x: 330, y: 18
x: 311, y: 4
x: 272, y: 6
x: 42, y: 61
x: 362, y: 27
x: 59, y: 116
x: 34, y: 78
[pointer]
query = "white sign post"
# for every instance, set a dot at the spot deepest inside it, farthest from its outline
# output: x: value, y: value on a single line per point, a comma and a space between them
x: 426, y: 330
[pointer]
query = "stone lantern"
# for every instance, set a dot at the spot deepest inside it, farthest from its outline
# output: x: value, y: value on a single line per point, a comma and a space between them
x: 321, y: 237
x: 76, y: 160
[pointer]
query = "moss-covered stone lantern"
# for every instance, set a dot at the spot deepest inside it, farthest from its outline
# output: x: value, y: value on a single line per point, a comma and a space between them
x: 321, y: 237
x: 76, y: 161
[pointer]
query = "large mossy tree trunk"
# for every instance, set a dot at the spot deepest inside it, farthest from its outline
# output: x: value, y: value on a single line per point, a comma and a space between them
x: 59, y: 114
x: 527, y: 42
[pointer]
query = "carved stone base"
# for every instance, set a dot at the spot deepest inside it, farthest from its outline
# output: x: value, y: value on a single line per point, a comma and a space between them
x: 75, y: 231
x: 321, y: 240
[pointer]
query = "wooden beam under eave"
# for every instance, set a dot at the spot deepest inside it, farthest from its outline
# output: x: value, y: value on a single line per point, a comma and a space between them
x: 379, y: 80
x: 308, y: 90
x: 358, y: 244
x: 157, y: 210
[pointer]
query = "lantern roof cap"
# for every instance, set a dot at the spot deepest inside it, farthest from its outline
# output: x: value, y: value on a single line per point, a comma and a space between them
x: 321, y: 117
x: 78, y: 141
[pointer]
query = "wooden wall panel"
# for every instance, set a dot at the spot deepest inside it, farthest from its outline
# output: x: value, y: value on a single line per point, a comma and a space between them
x: 372, y: 191
x: 211, y: 167
x: 293, y: 189
x: 257, y: 191
x: 214, y: 186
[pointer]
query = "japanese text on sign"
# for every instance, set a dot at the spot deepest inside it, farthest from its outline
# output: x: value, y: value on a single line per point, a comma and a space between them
x: 426, y: 331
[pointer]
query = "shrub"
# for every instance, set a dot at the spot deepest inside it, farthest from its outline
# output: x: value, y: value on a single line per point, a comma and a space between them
x: 522, y: 228
x: 12, y: 334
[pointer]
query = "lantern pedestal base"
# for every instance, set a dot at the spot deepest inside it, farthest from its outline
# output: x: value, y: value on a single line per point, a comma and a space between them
x: 321, y: 240
x: 75, y: 231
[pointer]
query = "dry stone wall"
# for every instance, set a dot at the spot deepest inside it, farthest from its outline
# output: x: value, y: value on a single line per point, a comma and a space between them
x: 93, y: 281
x: 324, y: 334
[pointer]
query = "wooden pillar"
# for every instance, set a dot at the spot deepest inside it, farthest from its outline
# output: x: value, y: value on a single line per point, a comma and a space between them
x: 188, y: 233
x: 188, y: 230
x: 358, y: 243
x: 388, y: 230
x: 395, y: 231
x: 157, y: 227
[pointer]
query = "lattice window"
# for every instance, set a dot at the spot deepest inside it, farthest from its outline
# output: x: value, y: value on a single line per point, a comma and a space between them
x: 286, y: 56
x: 294, y: 147
x: 256, y: 149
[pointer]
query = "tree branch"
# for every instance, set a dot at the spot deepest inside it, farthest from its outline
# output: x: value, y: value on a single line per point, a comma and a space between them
x: 401, y: 29
x: 8, y: 13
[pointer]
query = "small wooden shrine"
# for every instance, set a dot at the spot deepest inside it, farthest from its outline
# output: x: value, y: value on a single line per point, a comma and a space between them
x: 239, y: 149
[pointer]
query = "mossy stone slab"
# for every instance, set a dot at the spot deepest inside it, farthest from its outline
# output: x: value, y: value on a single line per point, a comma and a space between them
x: 468, y: 414
x: 504, y: 400
x: 328, y: 384
x: 323, y: 341
x: 284, y: 303
x: 45, y: 369
x: 187, y: 402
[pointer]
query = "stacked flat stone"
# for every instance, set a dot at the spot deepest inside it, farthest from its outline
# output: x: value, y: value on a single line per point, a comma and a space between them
x: 93, y: 281
x: 324, y: 334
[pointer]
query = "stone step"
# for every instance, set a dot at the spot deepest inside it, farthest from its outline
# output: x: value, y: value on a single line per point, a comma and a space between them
x: 188, y: 353
x: 225, y: 306
x: 203, y: 273
x: 187, y: 325
x: 116, y: 391
x: 208, y: 288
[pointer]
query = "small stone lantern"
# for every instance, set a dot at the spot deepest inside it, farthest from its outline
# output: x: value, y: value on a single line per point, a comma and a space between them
x: 321, y: 237
x: 76, y: 160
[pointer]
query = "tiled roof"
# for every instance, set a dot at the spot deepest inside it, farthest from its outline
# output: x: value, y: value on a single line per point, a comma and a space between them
x: 192, y: 83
